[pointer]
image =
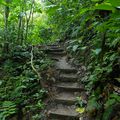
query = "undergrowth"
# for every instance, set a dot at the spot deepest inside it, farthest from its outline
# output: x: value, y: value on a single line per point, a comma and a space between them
x: 20, y: 89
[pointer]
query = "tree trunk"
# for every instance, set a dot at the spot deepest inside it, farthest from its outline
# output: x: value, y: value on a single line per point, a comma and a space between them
x: 6, y: 16
x: 28, y: 19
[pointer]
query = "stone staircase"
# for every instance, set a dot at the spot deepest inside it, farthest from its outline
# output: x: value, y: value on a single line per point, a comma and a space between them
x: 66, y: 85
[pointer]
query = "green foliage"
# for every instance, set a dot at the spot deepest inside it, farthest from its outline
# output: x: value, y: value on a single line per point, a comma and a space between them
x: 115, y: 3
x: 24, y: 22
x: 105, y: 6
x: 93, y: 104
x: 113, y: 98
x: 92, y: 33
x: 8, y: 108
x: 107, y: 113
x: 19, y: 83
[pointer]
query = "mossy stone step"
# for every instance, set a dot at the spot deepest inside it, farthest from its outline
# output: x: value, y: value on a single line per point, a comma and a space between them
x: 63, y: 113
x: 67, y: 70
x: 55, y: 50
x: 67, y: 98
x: 68, y: 77
x: 57, y: 53
x: 69, y: 86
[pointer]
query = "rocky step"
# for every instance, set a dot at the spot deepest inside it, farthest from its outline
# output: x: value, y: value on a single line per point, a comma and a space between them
x: 54, y: 46
x: 67, y: 98
x: 57, y: 53
x: 63, y: 113
x: 63, y: 64
x: 67, y: 70
x: 69, y: 86
x: 68, y: 77
x: 55, y: 58
x: 47, y: 47
x: 55, y: 50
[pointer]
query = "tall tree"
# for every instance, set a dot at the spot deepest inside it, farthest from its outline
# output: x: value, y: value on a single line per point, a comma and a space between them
x: 6, y: 15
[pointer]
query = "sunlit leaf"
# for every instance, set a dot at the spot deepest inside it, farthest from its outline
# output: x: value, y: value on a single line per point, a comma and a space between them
x: 105, y: 6
x: 97, y: 51
x: 95, y: 0
x: 80, y: 110
x: 118, y: 79
x: 75, y: 47
x: 115, y: 3
x: 1, y: 82
x: 83, y: 48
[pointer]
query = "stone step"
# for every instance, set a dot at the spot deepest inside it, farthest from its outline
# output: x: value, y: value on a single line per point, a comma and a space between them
x: 54, y: 46
x: 67, y: 98
x: 63, y: 113
x: 69, y: 86
x: 55, y: 58
x: 46, y: 47
x: 63, y: 64
x: 68, y: 78
x: 67, y: 70
x: 55, y: 50
x: 57, y: 53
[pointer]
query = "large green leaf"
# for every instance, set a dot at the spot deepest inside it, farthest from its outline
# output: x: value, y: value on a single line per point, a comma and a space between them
x: 115, y: 3
x: 2, y: 2
x: 97, y: 51
x: 75, y: 47
x: 105, y: 6
x: 93, y: 104
x: 51, y: 8
x: 110, y: 102
x: 95, y: 0
x: 107, y: 113
x: 115, y: 96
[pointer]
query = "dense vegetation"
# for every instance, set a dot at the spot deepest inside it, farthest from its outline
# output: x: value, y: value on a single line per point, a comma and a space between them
x: 92, y: 33
x: 22, y: 26
x: 91, y: 28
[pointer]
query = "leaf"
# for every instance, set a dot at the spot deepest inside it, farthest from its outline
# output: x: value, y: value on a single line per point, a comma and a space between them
x: 2, y: 2
x: 80, y: 110
x: 2, y: 117
x: 110, y: 102
x: 51, y: 8
x: 93, y: 104
x: 8, y: 108
x: 115, y: 3
x: 118, y: 79
x: 8, y: 104
x: 116, y: 97
x: 1, y: 82
x: 105, y: 6
x: 83, y: 48
x: 107, y: 113
x: 75, y: 47
x: 84, y: 10
x: 97, y: 51
x: 95, y: 0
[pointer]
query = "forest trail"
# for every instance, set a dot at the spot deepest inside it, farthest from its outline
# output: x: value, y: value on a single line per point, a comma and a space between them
x: 65, y: 87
